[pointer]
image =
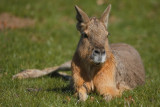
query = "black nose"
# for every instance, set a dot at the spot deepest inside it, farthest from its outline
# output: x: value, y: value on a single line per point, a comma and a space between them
x: 99, y: 52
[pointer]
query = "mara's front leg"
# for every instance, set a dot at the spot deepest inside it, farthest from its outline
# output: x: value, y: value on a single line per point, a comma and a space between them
x: 105, y: 85
x: 79, y: 83
x: 80, y: 89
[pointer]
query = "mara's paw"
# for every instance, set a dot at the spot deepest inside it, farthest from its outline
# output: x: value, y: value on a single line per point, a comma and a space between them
x: 108, y: 97
x: 82, y: 96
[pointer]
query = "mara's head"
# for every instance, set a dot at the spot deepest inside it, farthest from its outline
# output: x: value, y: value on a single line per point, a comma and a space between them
x: 93, y: 45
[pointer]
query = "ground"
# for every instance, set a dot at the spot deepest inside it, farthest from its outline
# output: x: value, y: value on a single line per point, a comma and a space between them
x: 53, y: 39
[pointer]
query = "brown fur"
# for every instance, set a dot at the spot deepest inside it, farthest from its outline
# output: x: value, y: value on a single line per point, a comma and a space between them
x: 123, y: 68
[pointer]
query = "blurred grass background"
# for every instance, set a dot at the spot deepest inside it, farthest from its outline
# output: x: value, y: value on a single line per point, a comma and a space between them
x: 53, y: 39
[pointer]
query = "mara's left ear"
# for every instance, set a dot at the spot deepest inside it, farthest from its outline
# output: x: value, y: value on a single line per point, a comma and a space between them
x: 105, y: 16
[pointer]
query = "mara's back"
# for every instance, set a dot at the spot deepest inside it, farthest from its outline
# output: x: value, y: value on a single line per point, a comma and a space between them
x: 129, y: 67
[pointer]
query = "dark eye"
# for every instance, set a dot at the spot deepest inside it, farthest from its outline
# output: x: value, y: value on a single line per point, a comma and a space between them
x: 109, y: 34
x: 84, y: 35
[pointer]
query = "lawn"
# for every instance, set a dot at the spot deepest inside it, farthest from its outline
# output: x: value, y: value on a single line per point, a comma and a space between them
x: 53, y: 39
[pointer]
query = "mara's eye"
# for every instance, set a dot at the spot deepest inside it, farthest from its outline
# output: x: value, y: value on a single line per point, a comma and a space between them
x: 109, y: 34
x: 84, y: 35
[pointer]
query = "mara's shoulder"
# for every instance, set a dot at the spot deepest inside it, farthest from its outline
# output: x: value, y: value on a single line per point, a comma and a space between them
x: 124, y: 51
x: 123, y: 48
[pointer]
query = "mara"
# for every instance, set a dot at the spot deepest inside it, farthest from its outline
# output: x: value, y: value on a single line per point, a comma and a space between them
x: 108, y: 69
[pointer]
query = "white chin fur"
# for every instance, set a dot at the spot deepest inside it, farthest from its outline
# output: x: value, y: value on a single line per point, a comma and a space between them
x: 103, y: 58
x: 98, y: 59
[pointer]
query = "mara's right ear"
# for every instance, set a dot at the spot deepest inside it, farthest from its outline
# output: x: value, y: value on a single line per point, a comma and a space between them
x: 81, y: 17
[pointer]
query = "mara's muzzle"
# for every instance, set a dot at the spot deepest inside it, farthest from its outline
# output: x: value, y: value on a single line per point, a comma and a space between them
x: 98, y: 56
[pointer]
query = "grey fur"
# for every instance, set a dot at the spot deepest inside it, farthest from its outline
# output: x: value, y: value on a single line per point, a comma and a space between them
x: 129, y: 67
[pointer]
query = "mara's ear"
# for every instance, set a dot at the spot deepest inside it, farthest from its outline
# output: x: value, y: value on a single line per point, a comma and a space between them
x: 81, y: 17
x: 105, y: 16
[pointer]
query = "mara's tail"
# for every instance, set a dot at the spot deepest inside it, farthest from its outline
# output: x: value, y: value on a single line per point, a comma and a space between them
x: 34, y: 73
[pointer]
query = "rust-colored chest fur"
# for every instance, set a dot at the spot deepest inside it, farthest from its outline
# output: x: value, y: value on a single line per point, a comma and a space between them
x: 94, y: 77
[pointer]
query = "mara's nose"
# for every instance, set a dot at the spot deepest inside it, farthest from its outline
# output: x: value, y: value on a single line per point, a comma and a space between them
x: 98, y: 56
x: 99, y: 52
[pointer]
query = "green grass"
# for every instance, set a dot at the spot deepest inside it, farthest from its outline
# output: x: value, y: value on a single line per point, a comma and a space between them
x: 53, y: 40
